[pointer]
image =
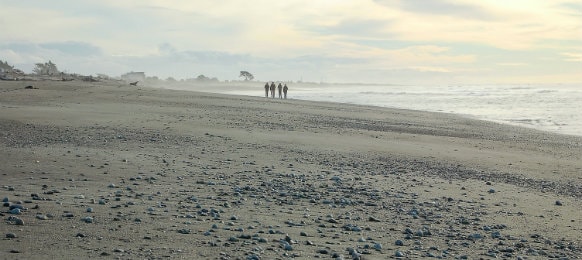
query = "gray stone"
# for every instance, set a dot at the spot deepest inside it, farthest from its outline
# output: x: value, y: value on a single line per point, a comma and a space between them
x: 19, y: 222
x: 378, y: 246
x: 42, y: 217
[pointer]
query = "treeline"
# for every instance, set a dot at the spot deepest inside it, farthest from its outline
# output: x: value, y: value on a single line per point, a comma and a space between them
x: 50, y: 69
x: 43, y: 69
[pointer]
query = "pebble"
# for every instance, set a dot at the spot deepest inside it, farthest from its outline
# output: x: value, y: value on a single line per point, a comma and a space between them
x: 287, y: 247
x: 42, y: 217
x: 87, y: 219
x: 373, y: 219
x: 475, y: 236
x: 184, y: 231
x: 397, y: 207
x: 378, y: 246
x: 253, y: 257
x: 18, y: 205
x: 558, y: 203
x: 19, y: 222
x: 10, y: 235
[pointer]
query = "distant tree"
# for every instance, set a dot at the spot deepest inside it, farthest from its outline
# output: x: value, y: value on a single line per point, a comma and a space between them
x: 152, y: 80
x: 47, y: 68
x: 4, y: 66
x: 202, y: 78
x: 40, y: 69
x: 247, y: 75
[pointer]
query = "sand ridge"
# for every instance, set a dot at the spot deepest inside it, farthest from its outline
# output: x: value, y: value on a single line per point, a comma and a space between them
x: 105, y: 169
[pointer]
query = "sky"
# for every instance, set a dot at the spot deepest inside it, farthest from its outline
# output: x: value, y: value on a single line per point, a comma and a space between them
x: 343, y: 41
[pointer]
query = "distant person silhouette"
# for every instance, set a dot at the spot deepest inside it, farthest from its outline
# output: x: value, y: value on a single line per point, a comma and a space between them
x: 273, y: 89
x: 285, y: 88
x: 280, y: 88
x: 267, y: 89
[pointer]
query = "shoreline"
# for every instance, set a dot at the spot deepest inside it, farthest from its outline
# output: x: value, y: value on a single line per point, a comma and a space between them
x: 514, y: 122
x: 187, y: 174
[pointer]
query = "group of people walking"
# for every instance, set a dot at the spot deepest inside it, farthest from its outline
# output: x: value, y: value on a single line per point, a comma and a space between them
x: 282, y: 90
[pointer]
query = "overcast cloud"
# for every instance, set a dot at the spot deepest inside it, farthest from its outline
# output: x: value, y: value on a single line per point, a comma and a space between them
x: 380, y: 41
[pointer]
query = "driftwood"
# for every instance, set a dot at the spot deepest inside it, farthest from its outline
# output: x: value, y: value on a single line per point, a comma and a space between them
x: 133, y: 83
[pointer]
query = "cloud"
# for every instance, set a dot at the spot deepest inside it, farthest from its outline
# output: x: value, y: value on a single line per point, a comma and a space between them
x: 428, y: 54
x: 166, y: 48
x: 360, y: 28
x: 572, y: 8
x: 574, y: 57
x: 68, y: 48
x: 441, y: 8
x: 430, y: 69
x: 35, y: 23
x: 330, y: 40
x: 72, y: 48
x: 512, y: 64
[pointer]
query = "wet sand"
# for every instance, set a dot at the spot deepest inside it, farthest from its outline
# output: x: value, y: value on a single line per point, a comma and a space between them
x: 111, y: 170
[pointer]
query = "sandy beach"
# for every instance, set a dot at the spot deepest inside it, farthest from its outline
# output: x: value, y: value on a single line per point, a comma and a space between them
x: 107, y: 170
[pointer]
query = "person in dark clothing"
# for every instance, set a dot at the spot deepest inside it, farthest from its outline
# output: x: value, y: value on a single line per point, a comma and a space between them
x: 280, y: 88
x: 273, y: 89
x: 285, y: 88
x: 267, y: 89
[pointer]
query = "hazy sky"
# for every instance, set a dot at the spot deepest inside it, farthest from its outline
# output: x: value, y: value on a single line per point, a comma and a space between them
x: 381, y: 41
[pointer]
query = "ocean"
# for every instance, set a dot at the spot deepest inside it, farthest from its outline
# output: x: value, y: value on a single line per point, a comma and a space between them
x: 554, y: 108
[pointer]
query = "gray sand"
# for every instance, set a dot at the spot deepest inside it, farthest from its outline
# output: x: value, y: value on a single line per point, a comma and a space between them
x: 105, y: 169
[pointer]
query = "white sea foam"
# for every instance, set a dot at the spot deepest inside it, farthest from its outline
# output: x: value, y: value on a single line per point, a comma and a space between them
x: 555, y: 108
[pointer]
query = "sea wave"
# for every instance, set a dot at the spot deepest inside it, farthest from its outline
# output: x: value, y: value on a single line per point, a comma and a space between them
x: 553, y: 108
